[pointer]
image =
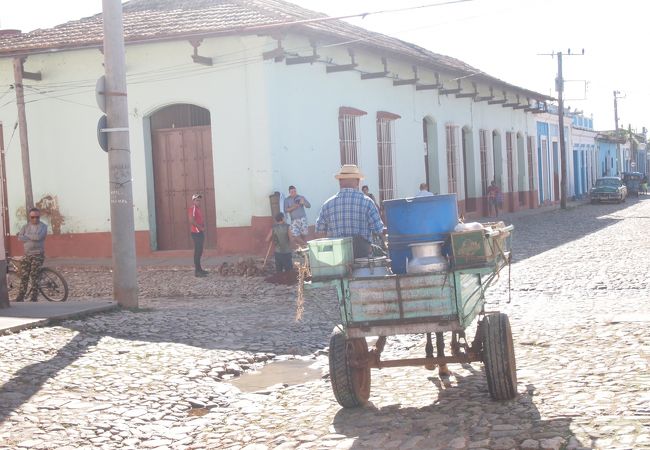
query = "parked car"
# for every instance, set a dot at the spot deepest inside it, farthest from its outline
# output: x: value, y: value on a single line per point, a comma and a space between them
x: 608, y: 189
x: 632, y: 181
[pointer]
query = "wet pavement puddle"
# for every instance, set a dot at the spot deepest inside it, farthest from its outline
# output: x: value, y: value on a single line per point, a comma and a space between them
x: 288, y: 372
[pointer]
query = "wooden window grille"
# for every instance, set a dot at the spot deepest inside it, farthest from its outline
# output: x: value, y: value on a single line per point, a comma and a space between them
x: 349, y: 137
x: 531, y: 171
x: 509, y: 161
x: 386, y: 154
x: 452, y: 151
x: 483, y: 153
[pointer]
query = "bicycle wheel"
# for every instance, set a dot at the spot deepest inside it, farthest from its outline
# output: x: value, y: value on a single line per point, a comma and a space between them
x: 13, y: 285
x: 52, y: 285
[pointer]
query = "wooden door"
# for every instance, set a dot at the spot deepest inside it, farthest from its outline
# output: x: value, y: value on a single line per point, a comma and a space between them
x: 182, y: 163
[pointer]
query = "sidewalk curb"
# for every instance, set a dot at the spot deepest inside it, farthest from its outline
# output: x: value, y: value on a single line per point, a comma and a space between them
x: 24, y: 321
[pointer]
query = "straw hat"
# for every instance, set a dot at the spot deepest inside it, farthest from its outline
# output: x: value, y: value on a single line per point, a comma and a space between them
x: 349, y: 171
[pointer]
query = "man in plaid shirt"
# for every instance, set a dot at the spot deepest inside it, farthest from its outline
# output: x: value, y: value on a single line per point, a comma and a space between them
x: 350, y: 213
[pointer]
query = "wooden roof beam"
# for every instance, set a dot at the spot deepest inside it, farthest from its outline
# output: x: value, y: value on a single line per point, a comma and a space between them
x: 277, y: 54
x: 413, y: 80
x: 424, y: 87
x: 343, y: 67
x: 373, y: 75
x: 36, y: 76
x: 479, y: 98
x: 510, y: 104
x: 304, y: 59
x: 524, y: 106
x: 196, y: 43
x: 468, y: 94
x: 450, y: 90
x: 499, y: 101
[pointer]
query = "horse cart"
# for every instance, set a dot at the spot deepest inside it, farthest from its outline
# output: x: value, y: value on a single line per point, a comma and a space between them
x: 375, y: 303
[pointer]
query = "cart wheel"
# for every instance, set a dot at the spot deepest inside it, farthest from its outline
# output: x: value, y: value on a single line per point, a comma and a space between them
x: 351, y: 385
x: 499, y: 357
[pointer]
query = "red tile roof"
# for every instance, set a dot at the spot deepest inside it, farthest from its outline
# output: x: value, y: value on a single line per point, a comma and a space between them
x: 146, y: 20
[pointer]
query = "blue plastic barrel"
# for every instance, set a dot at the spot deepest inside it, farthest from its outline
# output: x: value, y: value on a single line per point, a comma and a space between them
x: 418, y: 219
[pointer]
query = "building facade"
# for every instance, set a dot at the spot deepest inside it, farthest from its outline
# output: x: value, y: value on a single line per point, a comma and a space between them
x: 238, y: 115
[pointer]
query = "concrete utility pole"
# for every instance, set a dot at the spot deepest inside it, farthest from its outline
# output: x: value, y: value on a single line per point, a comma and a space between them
x: 619, y: 157
x: 22, y: 125
x: 559, y: 87
x: 125, y: 285
x: 4, y: 294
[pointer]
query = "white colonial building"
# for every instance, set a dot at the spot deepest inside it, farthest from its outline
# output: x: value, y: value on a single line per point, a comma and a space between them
x: 232, y: 100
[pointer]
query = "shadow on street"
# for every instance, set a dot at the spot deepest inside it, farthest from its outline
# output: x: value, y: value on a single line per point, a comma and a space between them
x: 30, y: 379
x: 536, y: 233
x: 464, y: 410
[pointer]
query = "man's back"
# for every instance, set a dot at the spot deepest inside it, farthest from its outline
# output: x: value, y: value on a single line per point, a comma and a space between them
x: 349, y: 213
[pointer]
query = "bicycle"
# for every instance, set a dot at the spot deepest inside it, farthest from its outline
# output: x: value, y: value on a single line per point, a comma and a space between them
x: 50, y: 285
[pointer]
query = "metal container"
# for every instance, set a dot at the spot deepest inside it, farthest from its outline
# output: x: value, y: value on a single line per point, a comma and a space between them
x: 427, y: 257
x: 371, y: 267
x: 420, y: 219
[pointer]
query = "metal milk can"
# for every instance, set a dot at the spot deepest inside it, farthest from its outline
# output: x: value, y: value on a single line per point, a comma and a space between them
x: 427, y: 257
x: 371, y: 267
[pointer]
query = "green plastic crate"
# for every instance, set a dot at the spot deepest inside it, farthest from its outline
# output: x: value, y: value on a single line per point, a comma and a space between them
x: 330, y: 258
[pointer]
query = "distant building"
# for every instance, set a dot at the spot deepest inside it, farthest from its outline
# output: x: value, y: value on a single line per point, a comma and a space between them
x: 585, y: 154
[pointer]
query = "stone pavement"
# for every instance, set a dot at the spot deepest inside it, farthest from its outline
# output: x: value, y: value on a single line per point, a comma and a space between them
x: 158, y: 377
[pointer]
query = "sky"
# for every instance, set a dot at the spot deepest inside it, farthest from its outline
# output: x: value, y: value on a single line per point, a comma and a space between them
x: 508, y: 39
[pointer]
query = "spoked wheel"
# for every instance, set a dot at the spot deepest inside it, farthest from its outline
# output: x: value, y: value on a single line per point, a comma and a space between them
x: 349, y: 373
x: 13, y: 285
x: 499, y: 357
x: 52, y: 285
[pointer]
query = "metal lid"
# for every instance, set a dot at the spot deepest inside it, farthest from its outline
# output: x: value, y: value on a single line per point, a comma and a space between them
x: 418, y: 244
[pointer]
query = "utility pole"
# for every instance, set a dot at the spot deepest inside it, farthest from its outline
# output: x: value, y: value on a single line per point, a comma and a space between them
x: 125, y: 285
x: 4, y: 294
x: 559, y: 87
x: 632, y: 148
x: 619, y: 156
x: 22, y: 125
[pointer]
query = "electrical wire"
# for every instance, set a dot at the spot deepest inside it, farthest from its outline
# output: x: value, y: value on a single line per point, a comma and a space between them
x: 78, y: 87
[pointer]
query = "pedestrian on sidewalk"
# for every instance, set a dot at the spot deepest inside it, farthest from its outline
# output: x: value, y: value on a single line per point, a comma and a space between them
x: 494, y: 195
x: 366, y: 191
x: 279, y: 233
x: 197, y: 231
x: 295, y: 206
x: 33, y: 236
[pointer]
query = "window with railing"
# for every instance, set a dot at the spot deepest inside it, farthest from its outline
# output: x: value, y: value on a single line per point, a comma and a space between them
x: 483, y: 152
x: 386, y: 154
x: 531, y: 172
x: 452, y: 152
x: 509, y: 160
x: 349, y: 138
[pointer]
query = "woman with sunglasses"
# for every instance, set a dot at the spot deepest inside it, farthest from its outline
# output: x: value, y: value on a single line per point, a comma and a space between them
x: 33, y: 235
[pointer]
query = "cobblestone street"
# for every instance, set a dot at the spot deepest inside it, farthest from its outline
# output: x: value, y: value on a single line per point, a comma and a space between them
x: 160, y: 377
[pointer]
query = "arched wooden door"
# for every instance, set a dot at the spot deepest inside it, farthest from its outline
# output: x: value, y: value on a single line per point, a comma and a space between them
x: 182, y: 166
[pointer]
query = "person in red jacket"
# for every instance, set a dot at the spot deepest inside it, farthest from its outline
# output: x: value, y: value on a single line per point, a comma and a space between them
x: 197, y: 230
x: 493, y: 195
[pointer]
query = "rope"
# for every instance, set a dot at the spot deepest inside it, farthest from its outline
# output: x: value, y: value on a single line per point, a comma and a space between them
x: 303, y: 273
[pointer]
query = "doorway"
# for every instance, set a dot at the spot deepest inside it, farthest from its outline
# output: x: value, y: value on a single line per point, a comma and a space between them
x: 182, y: 165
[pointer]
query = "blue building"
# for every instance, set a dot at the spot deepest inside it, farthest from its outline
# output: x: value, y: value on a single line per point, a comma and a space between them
x: 608, y: 164
x: 585, y: 155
